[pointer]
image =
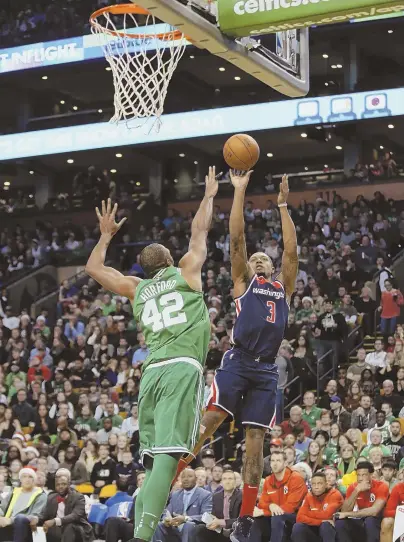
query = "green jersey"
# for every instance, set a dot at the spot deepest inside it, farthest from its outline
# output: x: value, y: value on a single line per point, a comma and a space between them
x: 173, y: 317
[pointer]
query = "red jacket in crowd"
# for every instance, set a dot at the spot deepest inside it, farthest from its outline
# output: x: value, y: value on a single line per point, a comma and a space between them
x: 287, y: 428
x: 396, y: 499
x: 315, y: 510
x: 287, y: 493
x: 391, y: 306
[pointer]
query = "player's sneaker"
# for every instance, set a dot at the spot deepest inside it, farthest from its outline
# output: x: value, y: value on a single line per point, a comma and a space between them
x: 242, y: 528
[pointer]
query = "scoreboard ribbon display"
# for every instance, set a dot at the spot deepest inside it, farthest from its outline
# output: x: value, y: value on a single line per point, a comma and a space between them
x: 253, y: 17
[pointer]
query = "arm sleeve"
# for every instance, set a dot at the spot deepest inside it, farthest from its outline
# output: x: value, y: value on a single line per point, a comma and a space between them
x: 264, y: 501
x: 297, y: 491
x: 78, y: 512
x: 38, y: 505
x: 206, y: 506
x: 392, y: 503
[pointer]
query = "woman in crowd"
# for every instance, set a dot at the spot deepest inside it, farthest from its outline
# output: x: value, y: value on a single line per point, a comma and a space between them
x: 44, y: 424
x: 9, y: 425
x: 89, y: 454
x: 314, y: 457
x: 332, y: 444
x: 354, y: 436
x: 353, y: 396
x: 347, y: 463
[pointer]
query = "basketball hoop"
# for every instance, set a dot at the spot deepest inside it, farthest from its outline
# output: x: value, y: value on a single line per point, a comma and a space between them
x: 142, y: 64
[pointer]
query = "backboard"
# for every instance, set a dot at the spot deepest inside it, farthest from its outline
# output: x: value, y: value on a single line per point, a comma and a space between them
x: 281, y: 62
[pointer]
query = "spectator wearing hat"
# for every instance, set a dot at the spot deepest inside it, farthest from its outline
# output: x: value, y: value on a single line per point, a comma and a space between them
x: 208, y: 459
x: 339, y: 414
x: 215, y: 484
x: 21, y: 508
x: 276, y: 444
x: 303, y: 315
x: 361, y: 513
x: 314, y: 519
x: 302, y: 440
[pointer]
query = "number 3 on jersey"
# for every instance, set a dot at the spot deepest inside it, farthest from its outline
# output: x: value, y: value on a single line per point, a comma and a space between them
x: 167, y: 315
x: 272, y: 312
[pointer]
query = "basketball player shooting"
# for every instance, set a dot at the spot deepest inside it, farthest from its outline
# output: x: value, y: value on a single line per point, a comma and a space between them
x: 171, y: 311
x: 247, y: 379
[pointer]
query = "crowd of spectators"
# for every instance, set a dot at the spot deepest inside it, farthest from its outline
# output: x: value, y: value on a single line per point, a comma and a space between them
x: 44, y: 20
x: 385, y: 167
x: 69, y: 388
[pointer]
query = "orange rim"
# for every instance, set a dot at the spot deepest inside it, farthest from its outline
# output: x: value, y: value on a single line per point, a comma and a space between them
x: 124, y: 9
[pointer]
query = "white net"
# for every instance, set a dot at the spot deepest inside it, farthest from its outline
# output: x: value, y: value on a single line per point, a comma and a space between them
x: 142, y: 64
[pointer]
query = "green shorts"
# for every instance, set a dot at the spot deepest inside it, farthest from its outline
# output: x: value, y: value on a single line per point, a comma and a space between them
x: 170, y: 406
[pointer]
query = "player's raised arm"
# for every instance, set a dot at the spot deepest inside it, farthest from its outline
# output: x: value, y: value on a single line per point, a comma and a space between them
x: 108, y: 277
x: 240, y: 269
x: 191, y: 263
x: 290, y: 259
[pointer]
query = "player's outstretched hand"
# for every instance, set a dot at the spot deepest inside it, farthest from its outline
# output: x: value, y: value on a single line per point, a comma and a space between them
x: 106, y: 218
x: 283, y: 190
x: 239, y: 179
x: 211, y: 183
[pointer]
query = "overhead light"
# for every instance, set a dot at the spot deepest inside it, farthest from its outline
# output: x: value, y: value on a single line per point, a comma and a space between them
x: 44, y: 77
x: 390, y: 31
x: 221, y: 69
x: 303, y: 134
x: 181, y: 155
x: 137, y: 183
x: 196, y: 162
x: 334, y: 66
x: 306, y: 168
x: 338, y: 147
x: 113, y: 170
x: 326, y: 84
x: 6, y: 183
x: 381, y: 147
x: 339, y: 66
x: 70, y: 161
x: 391, y: 126
x: 62, y: 102
x: 108, y: 69
x: 237, y: 78
x: 119, y: 155
x: 191, y: 56
x: 325, y: 55
x: 75, y: 107
x: 391, y: 152
x: 31, y: 196
x: 6, y: 188
x: 100, y: 111
x: 31, y: 172
x: 270, y: 155
x: 325, y: 165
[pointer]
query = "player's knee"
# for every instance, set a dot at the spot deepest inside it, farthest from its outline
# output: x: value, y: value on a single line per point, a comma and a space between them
x: 211, y: 420
x: 255, y: 438
x: 387, y: 525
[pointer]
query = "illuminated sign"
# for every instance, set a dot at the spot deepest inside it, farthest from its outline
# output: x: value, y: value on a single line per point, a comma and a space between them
x: 52, y: 53
x: 229, y: 120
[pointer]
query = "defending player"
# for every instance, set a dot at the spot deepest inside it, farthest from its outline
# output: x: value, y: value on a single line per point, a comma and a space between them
x: 170, y: 308
x: 248, y: 375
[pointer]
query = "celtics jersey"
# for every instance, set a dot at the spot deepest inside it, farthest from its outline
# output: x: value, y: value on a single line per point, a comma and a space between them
x: 173, y: 317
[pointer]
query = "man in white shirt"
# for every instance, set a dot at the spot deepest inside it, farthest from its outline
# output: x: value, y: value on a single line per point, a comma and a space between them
x: 377, y: 358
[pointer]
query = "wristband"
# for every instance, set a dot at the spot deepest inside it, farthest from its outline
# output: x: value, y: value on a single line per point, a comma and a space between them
x: 282, y: 204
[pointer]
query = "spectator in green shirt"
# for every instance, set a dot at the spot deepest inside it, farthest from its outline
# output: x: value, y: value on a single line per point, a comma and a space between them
x: 375, y: 442
x: 115, y: 418
x: 311, y: 413
x: 85, y: 422
x: 107, y: 305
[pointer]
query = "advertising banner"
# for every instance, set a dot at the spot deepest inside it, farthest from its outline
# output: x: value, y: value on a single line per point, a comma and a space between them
x: 253, y: 17
x: 210, y: 122
x: 52, y: 53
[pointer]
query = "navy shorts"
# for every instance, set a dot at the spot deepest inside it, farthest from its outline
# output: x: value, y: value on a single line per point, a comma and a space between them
x: 243, y: 384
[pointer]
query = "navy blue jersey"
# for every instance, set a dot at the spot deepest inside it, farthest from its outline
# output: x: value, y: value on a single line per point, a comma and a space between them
x: 262, y: 315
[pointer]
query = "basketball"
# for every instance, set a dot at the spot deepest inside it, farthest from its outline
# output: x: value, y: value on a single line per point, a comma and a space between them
x: 241, y: 152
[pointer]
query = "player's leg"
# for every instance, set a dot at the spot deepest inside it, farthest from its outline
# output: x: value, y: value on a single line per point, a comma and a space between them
x: 178, y: 398
x: 227, y: 390
x: 386, y: 534
x: 258, y: 415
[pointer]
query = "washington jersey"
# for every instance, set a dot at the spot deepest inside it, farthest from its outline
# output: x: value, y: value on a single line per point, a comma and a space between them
x: 262, y: 315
